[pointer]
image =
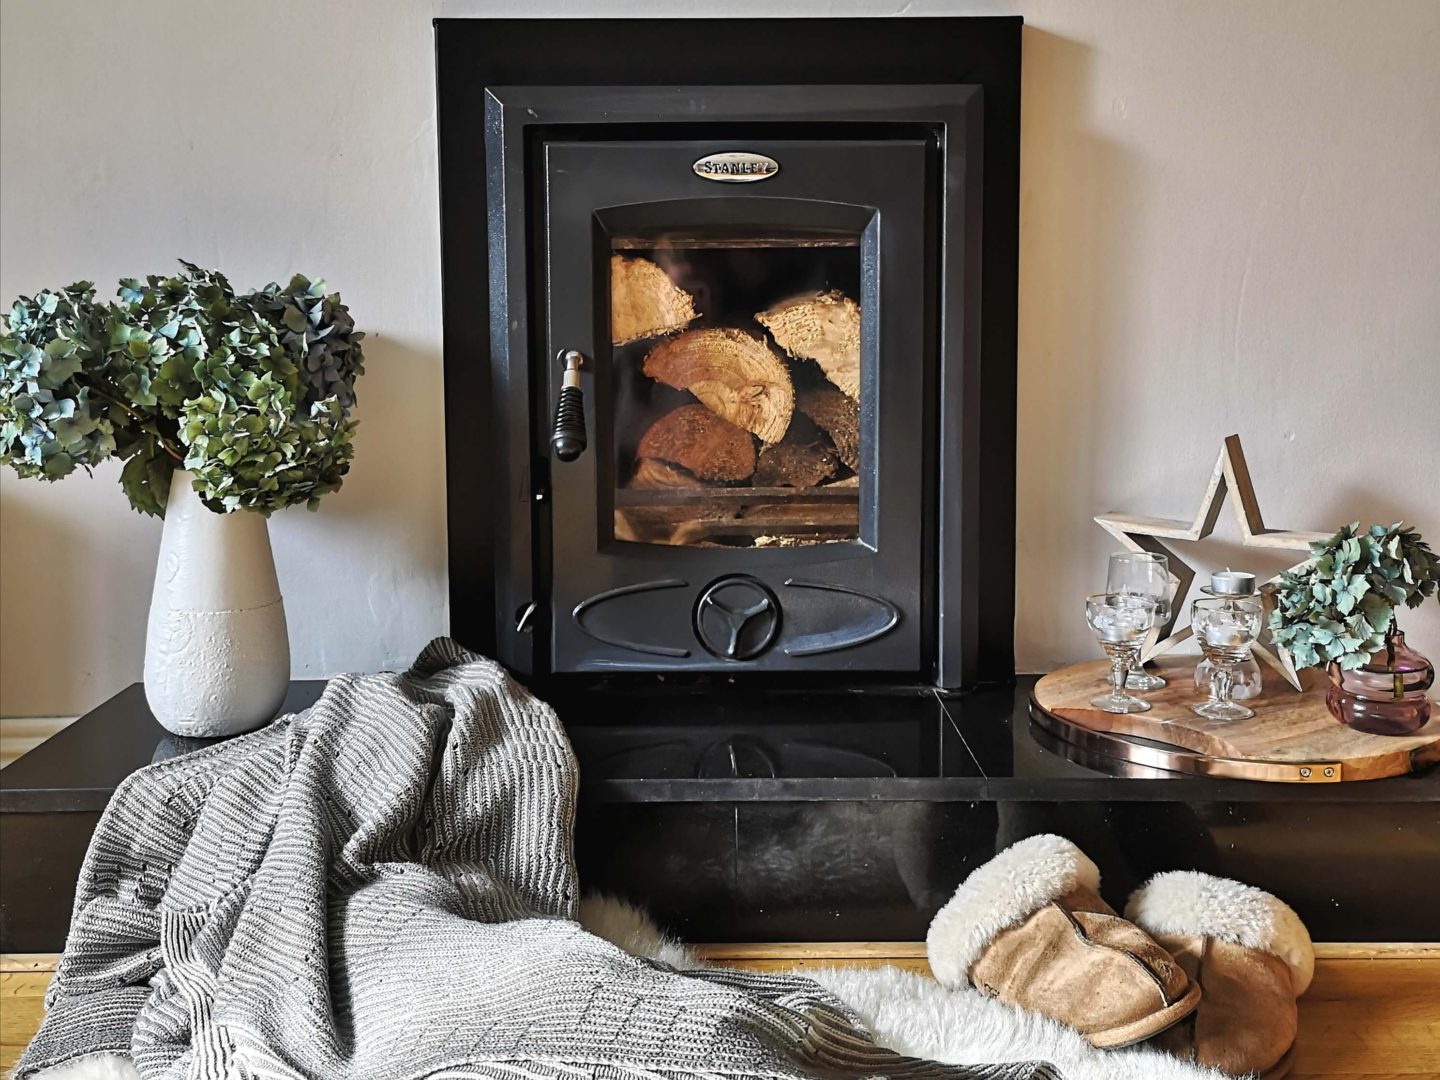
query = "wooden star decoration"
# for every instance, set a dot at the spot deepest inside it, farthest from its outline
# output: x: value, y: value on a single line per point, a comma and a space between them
x: 1229, y: 482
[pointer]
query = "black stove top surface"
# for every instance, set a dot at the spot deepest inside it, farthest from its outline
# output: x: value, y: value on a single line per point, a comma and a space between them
x: 707, y: 743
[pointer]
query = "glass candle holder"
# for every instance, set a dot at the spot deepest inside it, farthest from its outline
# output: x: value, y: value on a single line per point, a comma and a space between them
x: 1140, y: 573
x: 1246, y: 683
x: 1120, y: 622
x: 1225, y: 627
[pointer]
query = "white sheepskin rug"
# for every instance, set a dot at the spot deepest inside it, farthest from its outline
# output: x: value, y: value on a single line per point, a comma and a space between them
x: 94, y: 1067
x: 912, y: 1014
x: 909, y: 1013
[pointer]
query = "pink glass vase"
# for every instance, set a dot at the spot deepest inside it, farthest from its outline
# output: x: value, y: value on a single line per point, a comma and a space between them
x: 1387, y: 695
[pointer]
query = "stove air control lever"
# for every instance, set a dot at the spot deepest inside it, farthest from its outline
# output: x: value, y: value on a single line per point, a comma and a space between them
x: 568, y: 436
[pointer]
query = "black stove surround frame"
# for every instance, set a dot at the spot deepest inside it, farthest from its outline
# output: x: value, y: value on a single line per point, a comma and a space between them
x: 498, y: 476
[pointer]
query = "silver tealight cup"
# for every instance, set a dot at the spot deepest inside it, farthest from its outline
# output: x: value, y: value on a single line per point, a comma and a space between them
x: 1229, y: 582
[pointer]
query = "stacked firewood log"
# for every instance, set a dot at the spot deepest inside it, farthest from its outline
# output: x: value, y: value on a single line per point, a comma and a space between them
x: 776, y: 410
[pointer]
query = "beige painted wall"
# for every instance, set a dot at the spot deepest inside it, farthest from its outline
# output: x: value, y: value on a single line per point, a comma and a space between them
x: 1229, y: 223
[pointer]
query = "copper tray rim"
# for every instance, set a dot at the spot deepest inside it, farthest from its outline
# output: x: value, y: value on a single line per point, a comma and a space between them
x: 1151, y: 755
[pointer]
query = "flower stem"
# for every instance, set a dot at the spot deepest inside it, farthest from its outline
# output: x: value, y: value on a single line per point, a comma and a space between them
x: 147, y: 426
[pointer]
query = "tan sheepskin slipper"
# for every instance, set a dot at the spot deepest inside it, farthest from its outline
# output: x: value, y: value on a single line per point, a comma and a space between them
x: 1030, y: 928
x: 1251, y: 954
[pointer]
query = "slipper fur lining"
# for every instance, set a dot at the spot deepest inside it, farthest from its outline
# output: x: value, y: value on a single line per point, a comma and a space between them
x: 1004, y: 891
x: 1189, y: 902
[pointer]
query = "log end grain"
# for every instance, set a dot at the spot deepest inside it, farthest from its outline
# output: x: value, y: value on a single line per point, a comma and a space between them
x: 734, y: 374
x: 644, y: 302
x: 823, y: 327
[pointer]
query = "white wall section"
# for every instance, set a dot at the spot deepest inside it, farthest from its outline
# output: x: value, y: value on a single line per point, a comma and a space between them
x: 1229, y: 223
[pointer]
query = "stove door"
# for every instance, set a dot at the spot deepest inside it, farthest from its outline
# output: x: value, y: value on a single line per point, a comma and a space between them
x: 757, y: 364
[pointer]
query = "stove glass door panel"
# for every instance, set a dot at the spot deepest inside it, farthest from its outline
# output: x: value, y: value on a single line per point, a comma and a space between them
x: 756, y: 396
x: 736, y: 377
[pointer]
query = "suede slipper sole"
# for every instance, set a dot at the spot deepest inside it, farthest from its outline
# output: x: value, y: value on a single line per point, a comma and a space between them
x: 1150, y: 1026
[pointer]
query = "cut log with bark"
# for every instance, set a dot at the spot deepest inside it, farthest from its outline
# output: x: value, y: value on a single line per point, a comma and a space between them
x: 644, y: 302
x: 836, y: 415
x: 734, y: 374
x: 652, y: 474
x: 708, y: 446
x: 803, y: 459
x: 824, y: 327
x: 794, y: 465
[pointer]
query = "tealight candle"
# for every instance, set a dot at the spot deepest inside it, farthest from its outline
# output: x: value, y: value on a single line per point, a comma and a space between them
x: 1232, y: 583
x: 1223, y: 635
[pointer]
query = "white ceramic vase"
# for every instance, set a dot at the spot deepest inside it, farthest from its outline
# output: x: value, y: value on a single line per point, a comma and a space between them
x: 217, y: 655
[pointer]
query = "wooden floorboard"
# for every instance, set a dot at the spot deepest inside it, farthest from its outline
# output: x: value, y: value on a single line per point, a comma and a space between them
x: 21, y: 1007
x: 1373, y: 1012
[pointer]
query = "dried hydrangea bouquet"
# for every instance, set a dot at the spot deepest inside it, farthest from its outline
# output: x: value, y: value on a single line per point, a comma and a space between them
x: 224, y: 407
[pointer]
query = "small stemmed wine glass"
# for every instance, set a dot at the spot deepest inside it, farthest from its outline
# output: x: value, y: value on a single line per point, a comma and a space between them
x: 1140, y: 573
x: 1225, y: 627
x: 1120, y: 621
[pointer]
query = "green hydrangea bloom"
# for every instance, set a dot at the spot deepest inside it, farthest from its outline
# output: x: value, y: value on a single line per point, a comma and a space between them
x: 1337, y: 607
x: 252, y: 392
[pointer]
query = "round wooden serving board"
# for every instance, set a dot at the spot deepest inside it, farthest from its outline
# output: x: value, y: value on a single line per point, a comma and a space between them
x: 1292, y: 737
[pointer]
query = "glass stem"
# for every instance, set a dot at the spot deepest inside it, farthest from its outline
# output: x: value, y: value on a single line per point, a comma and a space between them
x: 1224, y: 683
x: 1119, y: 672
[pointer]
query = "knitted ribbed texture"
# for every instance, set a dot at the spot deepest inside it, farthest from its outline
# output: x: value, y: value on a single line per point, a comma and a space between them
x: 382, y: 888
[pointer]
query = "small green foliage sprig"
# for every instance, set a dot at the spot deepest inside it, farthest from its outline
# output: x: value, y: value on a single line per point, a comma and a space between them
x: 250, y: 392
x: 1338, y: 607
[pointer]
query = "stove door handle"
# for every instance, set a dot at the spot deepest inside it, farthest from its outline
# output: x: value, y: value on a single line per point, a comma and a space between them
x: 568, y: 437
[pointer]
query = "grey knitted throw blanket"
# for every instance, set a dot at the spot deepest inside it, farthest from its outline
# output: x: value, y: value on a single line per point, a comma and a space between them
x: 382, y: 888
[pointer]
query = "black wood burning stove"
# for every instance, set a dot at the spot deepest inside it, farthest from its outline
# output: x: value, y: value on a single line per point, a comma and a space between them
x: 730, y: 388
x: 729, y: 357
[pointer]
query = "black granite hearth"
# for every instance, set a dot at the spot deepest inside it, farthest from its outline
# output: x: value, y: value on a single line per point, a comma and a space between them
x: 783, y: 814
